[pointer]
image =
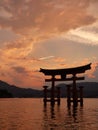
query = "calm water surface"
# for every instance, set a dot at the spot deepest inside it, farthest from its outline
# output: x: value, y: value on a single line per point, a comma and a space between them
x: 30, y: 114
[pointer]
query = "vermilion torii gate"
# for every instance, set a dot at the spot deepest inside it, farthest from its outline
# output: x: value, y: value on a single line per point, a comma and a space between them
x: 72, y: 91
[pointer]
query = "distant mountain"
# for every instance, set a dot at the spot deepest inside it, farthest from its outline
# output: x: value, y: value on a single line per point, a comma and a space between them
x: 90, y: 90
x: 20, y: 92
x: 5, y: 94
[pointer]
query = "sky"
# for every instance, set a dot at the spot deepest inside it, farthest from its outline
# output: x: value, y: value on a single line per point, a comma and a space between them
x: 49, y: 34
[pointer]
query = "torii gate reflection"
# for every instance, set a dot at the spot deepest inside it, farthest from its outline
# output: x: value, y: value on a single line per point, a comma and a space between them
x: 72, y: 91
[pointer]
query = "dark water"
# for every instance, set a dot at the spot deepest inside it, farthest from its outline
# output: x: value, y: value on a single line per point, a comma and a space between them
x: 30, y: 114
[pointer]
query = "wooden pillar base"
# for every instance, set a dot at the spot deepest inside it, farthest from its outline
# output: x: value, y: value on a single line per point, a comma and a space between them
x: 81, y: 95
x: 74, y: 99
x: 51, y: 99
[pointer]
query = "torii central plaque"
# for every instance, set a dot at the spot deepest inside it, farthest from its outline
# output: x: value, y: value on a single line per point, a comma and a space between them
x: 63, y: 73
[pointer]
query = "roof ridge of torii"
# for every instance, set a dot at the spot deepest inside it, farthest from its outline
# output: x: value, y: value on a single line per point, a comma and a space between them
x: 75, y: 70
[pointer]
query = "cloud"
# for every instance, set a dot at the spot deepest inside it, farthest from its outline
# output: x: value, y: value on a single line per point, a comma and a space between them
x: 93, y: 9
x: 86, y: 34
x: 59, y: 60
x: 46, y: 58
x: 7, y: 35
x: 19, y: 48
x: 20, y: 69
x: 45, y: 16
x: 16, y: 54
x: 40, y: 20
x: 27, y: 25
x: 92, y: 73
x: 4, y: 13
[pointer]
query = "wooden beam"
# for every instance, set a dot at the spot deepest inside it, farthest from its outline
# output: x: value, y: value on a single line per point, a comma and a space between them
x: 77, y: 70
x: 66, y: 79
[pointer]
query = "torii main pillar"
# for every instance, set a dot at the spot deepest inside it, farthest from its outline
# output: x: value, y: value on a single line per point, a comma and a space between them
x: 72, y: 91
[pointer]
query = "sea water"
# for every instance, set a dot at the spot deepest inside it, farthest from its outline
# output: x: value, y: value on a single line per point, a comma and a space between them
x: 30, y: 114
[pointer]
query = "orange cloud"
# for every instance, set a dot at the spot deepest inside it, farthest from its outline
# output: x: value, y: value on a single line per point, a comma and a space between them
x: 45, y: 16
x: 59, y: 60
x: 35, y: 21
x: 93, y: 70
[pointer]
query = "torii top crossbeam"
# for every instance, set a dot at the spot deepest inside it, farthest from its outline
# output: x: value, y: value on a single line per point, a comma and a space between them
x: 80, y: 69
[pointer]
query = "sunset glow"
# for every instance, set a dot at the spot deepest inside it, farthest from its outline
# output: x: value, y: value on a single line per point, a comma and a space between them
x: 52, y: 34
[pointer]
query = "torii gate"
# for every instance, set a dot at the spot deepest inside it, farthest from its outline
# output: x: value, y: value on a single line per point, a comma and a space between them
x: 72, y: 91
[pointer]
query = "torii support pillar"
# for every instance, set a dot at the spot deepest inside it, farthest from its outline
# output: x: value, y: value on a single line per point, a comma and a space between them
x: 81, y: 95
x: 51, y: 95
x: 74, y: 91
x: 71, y: 96
x: 45, y: 94
x: 53, y: 91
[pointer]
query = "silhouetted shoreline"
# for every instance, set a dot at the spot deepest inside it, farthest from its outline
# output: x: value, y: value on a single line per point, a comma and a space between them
x: 11, y: 91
